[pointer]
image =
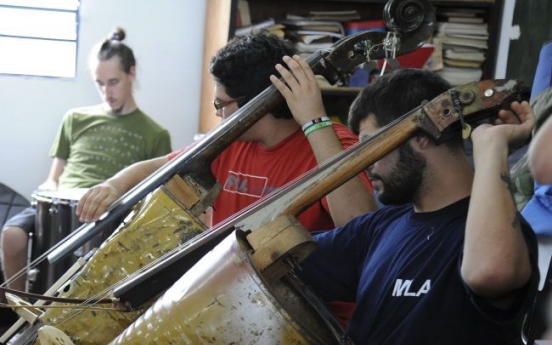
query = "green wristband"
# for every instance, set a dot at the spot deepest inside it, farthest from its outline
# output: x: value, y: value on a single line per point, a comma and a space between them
x: 316, y: 126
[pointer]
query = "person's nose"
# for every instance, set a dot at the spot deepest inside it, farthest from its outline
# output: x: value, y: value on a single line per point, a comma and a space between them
x: 106, y: 92
x: 109, y: 91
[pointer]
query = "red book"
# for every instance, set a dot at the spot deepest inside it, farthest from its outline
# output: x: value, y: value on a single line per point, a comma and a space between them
x: 357, y: 26
x: 415, y: 59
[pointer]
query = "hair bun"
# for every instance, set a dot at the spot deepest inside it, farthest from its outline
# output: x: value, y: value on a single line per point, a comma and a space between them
x: 118, y: 34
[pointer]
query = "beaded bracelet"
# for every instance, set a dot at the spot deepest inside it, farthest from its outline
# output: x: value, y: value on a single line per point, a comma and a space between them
x: 315, y: 121
x: 317, y: 126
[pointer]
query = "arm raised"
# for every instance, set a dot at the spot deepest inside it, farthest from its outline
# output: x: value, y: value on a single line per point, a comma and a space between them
x: 496, y: 257
x: 304, y: 98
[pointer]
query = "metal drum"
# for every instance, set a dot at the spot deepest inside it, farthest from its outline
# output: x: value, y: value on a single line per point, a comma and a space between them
x: 55, y: 219
x: 224, y: 300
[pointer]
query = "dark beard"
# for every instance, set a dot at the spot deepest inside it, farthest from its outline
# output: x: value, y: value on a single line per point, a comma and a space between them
x: 401, y: 185
x: 115, y: 112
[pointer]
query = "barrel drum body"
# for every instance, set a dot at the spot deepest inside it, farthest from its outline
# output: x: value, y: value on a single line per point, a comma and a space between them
x: 224, y: 300
x: 55, y: 220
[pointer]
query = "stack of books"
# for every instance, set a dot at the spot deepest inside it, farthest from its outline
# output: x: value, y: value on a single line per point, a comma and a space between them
x: 318, y: 30
x: 310, y: 35
x: 462, y: 36
x: 244, y: 26
x: 269, y: 25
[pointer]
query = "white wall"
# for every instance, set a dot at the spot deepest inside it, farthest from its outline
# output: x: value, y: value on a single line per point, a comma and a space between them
x: 167, y: 39
x: 507, y: 33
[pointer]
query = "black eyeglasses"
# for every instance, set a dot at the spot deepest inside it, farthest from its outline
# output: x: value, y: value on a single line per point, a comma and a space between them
x: 219, y: 104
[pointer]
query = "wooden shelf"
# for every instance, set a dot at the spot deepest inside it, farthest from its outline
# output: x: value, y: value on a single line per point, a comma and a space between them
x: 373, y: 9
x: 261, y: 10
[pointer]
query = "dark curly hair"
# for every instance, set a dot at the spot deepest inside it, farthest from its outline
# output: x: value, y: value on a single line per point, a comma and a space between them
x: 395, y: 94
x: 245, y: 64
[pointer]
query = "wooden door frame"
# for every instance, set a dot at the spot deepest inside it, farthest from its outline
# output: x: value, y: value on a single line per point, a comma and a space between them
x: 219, y: 19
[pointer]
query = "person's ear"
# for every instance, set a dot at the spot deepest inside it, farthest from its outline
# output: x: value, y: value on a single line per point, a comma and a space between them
x: 132, y: 73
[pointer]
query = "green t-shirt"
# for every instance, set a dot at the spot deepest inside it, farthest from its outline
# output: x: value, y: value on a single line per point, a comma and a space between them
x: 96, y: 145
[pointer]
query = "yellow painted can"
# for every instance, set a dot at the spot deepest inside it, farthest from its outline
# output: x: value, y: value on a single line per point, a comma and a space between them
x: 159, y: 227
x: 224, y: 300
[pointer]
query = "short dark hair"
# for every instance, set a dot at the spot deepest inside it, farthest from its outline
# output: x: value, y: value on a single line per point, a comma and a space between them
x: 113, y: 46
x: 395, y: 94
x: 245, y: 64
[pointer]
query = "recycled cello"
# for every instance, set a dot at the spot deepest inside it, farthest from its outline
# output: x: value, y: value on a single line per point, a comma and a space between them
x: 179, y: 314
x: 191, y: 200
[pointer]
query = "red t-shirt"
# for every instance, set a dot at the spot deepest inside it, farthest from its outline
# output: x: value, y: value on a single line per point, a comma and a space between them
x: 249, y: 171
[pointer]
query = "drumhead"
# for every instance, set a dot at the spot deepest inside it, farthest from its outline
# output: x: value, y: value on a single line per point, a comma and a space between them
x: 60, y: 195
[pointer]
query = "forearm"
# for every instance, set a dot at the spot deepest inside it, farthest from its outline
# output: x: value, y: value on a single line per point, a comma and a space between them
x: 56, y: 169
x: 352, y: 198
x: 129, y: 177
x: 98, y: 198
x: 496, y: 259
x: 304, y: 99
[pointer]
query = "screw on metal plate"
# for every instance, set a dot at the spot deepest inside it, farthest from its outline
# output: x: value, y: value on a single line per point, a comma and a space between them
x: 489, y: 92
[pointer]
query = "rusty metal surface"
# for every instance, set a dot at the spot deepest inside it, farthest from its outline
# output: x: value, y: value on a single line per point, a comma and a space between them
x: 156, y: 229
x: 223, y: 300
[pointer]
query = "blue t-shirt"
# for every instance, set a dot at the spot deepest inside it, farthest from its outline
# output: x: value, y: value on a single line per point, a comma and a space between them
x: 403, y: 270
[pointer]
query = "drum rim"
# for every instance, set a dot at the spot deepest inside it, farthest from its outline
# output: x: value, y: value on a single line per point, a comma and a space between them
x: 64, y: 195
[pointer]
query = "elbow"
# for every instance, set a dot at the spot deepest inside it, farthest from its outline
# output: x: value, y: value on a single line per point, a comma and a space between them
x: 495, y: 281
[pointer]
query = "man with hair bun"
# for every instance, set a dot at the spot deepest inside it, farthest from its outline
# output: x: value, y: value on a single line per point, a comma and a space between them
x: 92, y: 144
